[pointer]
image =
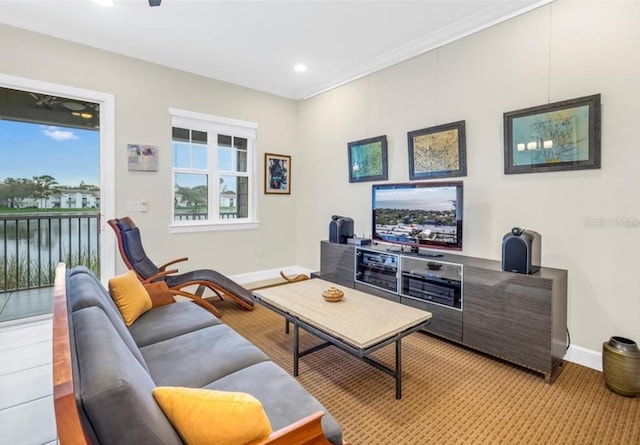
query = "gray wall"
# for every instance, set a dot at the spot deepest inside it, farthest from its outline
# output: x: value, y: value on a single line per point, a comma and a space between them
x: 561, y: 51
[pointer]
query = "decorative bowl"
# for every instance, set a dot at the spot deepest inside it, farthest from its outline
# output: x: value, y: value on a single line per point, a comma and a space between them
x: 333, y: 294
x: 434, y: 265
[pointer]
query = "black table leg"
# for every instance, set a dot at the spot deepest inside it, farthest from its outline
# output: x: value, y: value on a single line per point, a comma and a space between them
x: 296, y: 351
x: 398, y: 370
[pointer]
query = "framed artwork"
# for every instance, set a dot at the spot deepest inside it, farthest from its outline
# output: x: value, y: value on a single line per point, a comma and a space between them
x: 554, y: 137
x: 368, y: 159
x: 438, y: 152
x: 277, y: 174
x: 142, y: 158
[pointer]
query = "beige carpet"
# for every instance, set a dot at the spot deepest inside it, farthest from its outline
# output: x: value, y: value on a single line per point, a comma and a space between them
x: 451, y: 395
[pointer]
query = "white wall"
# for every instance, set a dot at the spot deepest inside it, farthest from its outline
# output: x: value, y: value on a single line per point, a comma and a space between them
x: 144, y: 92
x: 562, y: 51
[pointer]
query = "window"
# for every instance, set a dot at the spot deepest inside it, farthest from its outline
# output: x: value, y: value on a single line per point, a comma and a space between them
x: 214, y: 172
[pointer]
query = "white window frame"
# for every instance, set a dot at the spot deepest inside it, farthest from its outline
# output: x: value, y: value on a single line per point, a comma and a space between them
x: 214, y: 125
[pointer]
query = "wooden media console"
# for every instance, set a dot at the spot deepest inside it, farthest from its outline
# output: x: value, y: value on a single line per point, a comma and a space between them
x: 516, y: 317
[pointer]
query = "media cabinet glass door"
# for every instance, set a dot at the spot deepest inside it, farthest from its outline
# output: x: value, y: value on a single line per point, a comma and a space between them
x: 377, y: 269
x: 433, y: 281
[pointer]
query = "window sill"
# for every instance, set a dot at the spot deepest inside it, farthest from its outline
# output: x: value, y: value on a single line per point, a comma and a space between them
x: 213, y: 226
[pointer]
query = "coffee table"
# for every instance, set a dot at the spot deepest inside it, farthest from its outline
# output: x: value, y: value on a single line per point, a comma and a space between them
x: 359, y: 324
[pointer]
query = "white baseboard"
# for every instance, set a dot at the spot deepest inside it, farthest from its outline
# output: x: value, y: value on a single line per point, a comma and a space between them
x: 585, y: 357
x: 575, y: 354
x: 271, y: 273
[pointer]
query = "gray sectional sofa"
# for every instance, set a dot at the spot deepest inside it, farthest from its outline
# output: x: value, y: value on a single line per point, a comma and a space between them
x: 181, y: 344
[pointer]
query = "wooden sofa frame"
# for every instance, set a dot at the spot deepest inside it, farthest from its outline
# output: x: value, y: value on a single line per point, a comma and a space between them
x: 306, y: 431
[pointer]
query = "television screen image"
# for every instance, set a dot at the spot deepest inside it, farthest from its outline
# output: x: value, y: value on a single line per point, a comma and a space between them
x: 418, y: 214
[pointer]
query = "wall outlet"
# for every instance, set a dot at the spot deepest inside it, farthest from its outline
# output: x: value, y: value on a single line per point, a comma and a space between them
x: 137, y: 206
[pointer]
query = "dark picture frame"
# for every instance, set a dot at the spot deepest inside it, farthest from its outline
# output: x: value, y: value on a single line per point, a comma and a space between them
x: 438, y: 152
x: 368, y: 159
x: 277, y: 174
x: 554, y: 137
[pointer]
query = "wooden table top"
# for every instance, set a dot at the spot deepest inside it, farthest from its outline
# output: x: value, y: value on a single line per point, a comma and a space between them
x: 359, y: 318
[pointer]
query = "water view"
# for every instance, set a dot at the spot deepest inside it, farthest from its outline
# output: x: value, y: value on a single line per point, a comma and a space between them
x: 49, y: 200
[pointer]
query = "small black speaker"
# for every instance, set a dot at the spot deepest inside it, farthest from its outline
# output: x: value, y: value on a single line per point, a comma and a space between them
x: 340, y: 229
x: 521, y: 251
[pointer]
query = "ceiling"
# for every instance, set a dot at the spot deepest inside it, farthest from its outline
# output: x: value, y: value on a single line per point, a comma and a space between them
x: 257, y: 43
x: 18, y: 105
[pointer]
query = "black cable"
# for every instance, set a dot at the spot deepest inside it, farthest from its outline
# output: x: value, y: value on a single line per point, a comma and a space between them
x: 569, y: 340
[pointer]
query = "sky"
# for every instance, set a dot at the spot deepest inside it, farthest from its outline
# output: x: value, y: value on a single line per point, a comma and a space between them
x: 70, y: 155
x: 418, y: 198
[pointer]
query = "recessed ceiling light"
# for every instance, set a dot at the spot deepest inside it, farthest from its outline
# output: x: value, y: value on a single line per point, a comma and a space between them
x: 104, y: 2
x: 300, y: 68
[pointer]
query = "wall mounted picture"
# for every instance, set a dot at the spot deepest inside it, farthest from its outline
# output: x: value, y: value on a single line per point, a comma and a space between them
x: 438, y: 152
x: 559, y: 136
x: 368, y: 159
x: 277, y: 175
x: 142, y: 158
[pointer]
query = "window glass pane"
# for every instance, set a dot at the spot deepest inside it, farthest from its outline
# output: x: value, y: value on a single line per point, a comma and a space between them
x: 233, y: 197
x: 241, y: 161
x: 240, y: 143
x: 232, y: 153
x: 224, y: 141
x: 199, y: 136
x: 180, y: 134
x: 232, y: 160
x: 226, y: 158
x: 180, y: 154
x: 243, y: 197
x: 189, y: 148
x: 190, y: 196
x: 199, y: 156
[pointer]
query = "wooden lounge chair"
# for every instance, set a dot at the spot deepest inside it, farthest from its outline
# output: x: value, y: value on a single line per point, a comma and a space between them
x: 135, y: 258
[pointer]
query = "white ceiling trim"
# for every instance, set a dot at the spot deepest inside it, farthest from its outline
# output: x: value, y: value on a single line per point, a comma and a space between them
x: 456, y: 31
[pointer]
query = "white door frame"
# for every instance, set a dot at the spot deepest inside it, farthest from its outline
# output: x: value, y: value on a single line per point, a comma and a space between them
x: 107, y: 153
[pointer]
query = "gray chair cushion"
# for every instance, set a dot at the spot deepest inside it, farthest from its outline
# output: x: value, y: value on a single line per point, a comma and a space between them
x: 116, y: 391
x: 200, y: 357
x: 285, y: 401
x: 84, y: 290
x: 171, y: 320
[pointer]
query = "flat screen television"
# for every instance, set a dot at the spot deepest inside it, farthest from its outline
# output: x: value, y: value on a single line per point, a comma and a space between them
x: 418, y: 214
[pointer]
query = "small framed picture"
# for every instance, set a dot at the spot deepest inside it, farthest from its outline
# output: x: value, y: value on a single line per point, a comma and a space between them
x: 277, y: 174
x: 142, y: 158
x: 553, y: 137
x: 368, y: 159
x: 438, y: 152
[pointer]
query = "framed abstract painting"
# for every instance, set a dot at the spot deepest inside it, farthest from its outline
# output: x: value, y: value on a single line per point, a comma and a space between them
x: 368, y: 159
x: 277, y: 174
x: 438, y: 152
x: 553, y: 137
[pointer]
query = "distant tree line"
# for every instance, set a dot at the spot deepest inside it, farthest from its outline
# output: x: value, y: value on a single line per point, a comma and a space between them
x: 421, y: 217
x: 13, y: 191
x: 194, y: 197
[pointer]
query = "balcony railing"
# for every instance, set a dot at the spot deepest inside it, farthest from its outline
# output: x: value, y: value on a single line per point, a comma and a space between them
x: 32, y: 246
